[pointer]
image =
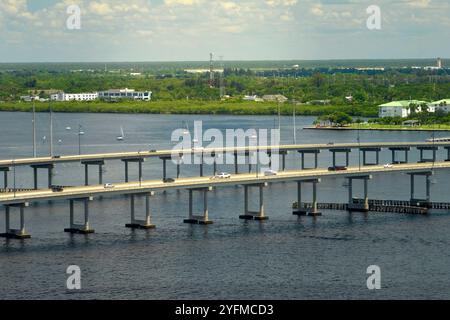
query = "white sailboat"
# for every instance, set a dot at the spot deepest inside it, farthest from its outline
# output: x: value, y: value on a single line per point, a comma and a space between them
x: 122, y: 135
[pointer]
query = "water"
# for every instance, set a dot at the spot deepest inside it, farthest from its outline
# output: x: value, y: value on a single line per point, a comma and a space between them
x: 283, y: 258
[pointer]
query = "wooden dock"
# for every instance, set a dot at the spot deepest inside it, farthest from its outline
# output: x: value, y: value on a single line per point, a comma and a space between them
x: 393, y: 206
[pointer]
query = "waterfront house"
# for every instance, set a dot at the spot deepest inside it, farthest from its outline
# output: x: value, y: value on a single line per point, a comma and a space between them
x: 400, y: 109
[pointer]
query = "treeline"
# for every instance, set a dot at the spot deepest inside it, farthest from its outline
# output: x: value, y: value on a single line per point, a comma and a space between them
x: 189, y: 107
x: 365, y: 89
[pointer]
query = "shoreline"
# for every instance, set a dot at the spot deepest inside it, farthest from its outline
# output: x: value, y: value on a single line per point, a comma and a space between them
x: 377, y: 129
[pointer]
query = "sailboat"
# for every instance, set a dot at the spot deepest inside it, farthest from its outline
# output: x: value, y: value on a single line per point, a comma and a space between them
x: 122, y: 135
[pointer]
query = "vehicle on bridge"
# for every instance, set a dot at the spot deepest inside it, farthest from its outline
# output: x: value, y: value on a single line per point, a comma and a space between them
x: 270, y: 173
x: 169, y: 180
x: 108, y: 186
x: 338, y: 168
x: 222, y: 175
x: 57, y: 188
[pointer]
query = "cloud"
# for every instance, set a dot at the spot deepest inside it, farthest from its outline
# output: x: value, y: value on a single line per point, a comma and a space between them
x: 181, y: 2
x: 185, y: 29
x: 317, y: 10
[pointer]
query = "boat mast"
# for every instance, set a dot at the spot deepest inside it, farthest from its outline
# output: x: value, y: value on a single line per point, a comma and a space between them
x: 51, y: 131
x: 34, y: 131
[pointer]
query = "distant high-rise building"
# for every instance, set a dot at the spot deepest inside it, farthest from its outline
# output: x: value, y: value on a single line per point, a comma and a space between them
x: 439, y: 63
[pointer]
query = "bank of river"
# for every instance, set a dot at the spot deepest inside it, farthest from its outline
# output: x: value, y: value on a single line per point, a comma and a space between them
x: 386, y: 128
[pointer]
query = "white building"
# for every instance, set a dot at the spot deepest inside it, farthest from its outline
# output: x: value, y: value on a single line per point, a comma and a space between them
x: 253, y: 98
x: 442, y: 105
x: 400, y: 109
x: 125, y: 94
x: 61, y: 96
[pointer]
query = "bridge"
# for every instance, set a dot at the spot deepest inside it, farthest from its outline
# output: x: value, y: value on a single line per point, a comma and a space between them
x: 86, y: 194
x: 98, y: 160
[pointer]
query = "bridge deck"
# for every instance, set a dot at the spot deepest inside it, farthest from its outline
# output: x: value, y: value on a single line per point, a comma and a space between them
x: 168, y: 153
x: 204, y: 182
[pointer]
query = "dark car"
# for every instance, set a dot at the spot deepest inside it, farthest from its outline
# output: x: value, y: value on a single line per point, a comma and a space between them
x: 169, y: 180
x: 337, y: 168
x: 56, y: 157
x: 57, y: 188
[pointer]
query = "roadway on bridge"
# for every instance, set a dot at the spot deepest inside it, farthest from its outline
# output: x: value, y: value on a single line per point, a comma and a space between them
x: 169, y: 153
x: 204, y: 182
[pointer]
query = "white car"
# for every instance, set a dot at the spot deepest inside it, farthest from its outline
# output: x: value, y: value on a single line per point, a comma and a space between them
x: 388, y: 166
x: 108, y: 186
x: 270, y: 173
x: 222, y: 175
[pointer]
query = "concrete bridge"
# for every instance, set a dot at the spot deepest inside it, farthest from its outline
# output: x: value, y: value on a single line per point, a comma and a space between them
x: 86, y: 194
x: 399, y: 154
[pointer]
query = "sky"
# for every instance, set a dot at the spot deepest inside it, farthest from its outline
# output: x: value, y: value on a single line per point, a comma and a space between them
x: 188, y: 30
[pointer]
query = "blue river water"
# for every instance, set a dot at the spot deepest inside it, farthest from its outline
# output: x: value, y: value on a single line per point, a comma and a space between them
x: 283, y: 258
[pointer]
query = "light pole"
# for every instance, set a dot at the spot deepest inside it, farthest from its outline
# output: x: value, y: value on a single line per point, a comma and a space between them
x: 359, y: 144
x: 34, y: 131
x: 255, y: 138
x: 79, y: 139
x: 14, y: 176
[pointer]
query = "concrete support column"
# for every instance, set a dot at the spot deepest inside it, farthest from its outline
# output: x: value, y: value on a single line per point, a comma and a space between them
x: 360, y: 205
x: 35, y: 178
x: 164, y: 169
x: 204, y: 217
x: 83, y: 228
x: 236, y: 165
x: 100, y: 174
x: 316, y: 158
x: 254, y: 215
x: 19, y: 233
x: 283, y: 161
x: 202, y: 162
x: 415, y: 201
x: 99, y: 164
x: 139, y: 161
x: 448, y: 154
x: 49, y: 168
x: 144, y: 224
x: 86, y: 174
x: 304, y: 209
x: 5, y: 177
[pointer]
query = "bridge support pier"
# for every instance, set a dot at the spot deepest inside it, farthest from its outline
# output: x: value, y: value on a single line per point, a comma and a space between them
x: 377, y: 156
x: 283, y: 160
x: 5, y: 176
x: 448, y: 154
x: 140, y: 224
x: 316, y: 158
x: 394, y: 154
x: 100, y: 165
x: 84, y: 228
x: 15, y: 233
x: 254, y: 215
x: 49, y: 168
x: 347, y: 156
x: 416, y: 202
x: 422, y: 151
x: 302, y: 208
x: 357, y: 204
x: 139, y: 161
x: 194, y: 219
